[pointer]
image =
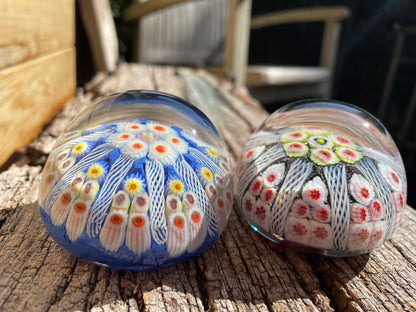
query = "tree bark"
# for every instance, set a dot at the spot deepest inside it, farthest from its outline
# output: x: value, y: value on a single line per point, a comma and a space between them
x: 241, y: 271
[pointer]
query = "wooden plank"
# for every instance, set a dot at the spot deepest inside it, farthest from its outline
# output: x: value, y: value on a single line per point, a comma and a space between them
x: 32, y: 28
x: 31, y: 94
x: 99, y: 24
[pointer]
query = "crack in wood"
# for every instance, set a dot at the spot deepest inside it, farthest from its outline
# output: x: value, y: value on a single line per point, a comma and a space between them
x: 200, y: 273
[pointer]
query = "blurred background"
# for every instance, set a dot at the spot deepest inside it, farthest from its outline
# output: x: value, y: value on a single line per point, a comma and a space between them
x: 374, y: 68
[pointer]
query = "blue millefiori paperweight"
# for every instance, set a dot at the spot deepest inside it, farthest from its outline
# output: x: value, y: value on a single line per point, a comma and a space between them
x: 138, y: 180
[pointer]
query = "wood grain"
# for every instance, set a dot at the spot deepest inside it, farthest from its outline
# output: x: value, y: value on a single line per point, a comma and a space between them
x: 241, y: 271
x: 31, y: 94
x: 99, y: 24
x: 302, y: 15
x: 32, y: 28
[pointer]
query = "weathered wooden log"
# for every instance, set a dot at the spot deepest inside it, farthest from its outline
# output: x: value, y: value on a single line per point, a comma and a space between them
x: 241, y: 271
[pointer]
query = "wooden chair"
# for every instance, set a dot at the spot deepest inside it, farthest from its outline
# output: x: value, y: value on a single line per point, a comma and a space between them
x: 102, y: 35
x: 215, y: 34
x: 277, y: 83
x: 209, y: 33
x: 160, y: 21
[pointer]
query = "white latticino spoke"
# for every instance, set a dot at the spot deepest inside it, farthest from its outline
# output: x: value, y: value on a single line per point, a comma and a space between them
x: 273, y: 154
x: 262, y: 140
x: 337, y: 182
x: 117, y: 173
x: 191, y: 180
x: 203, y: 159
x: 87, y: 138
x: 298, y: 172
x: 370, y: 172
x: 96, y: 154
x: 384, y: 159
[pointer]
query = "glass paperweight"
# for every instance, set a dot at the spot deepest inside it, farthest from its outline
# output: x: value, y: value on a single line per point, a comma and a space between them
x: 139, y: 180
x: 322, y: 177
